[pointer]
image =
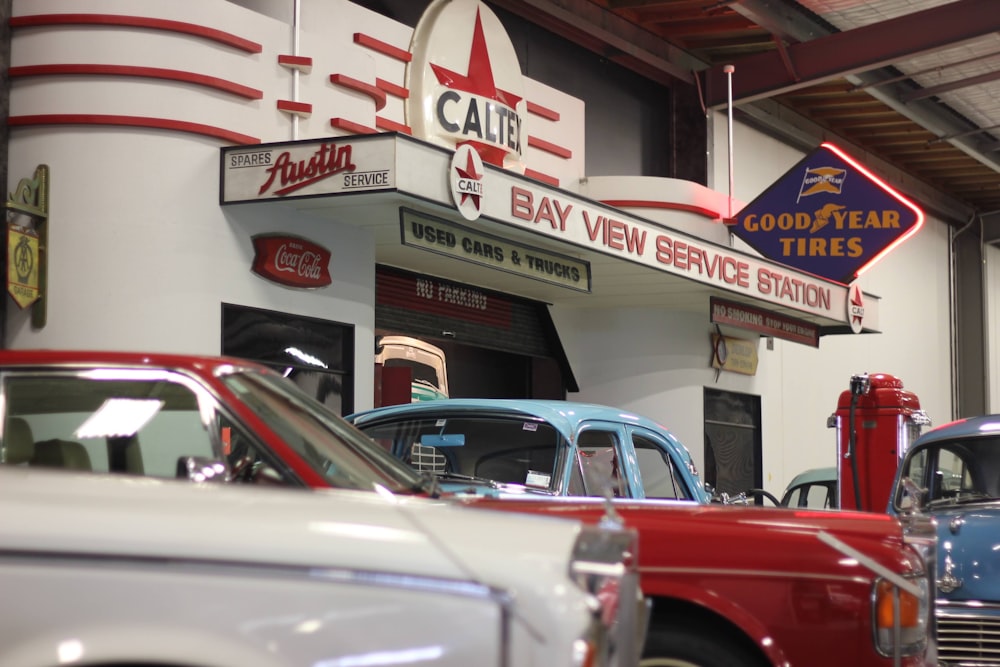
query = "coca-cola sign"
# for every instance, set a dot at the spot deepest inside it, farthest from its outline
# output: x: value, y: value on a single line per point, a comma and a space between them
x: 291, y: 261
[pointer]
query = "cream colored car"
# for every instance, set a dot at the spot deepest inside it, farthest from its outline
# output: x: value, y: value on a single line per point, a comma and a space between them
x: 100, y: 569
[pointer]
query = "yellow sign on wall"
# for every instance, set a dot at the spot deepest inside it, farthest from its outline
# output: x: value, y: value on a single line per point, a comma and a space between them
x: 22, y: 265
x: 737, y: 355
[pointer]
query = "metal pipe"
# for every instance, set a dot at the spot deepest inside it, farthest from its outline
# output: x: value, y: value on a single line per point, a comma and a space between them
x: 296, y: 23
x: 729, y: 69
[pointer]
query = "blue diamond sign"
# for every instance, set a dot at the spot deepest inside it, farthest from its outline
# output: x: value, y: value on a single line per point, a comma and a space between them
x: 829, y: 216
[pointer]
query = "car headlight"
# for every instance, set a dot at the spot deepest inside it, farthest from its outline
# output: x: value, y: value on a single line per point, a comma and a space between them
x: 901, y: 619
x: 604, y: 565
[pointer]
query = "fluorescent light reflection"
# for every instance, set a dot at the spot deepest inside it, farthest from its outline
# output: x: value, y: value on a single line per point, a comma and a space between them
x: 305, y: 358
x: 119, y: 417
x: 365, y: 531
x: 69, y: 651
x: 403, y: 657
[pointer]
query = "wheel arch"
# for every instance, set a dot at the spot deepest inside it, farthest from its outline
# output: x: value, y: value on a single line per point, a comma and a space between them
x: 731, y: 622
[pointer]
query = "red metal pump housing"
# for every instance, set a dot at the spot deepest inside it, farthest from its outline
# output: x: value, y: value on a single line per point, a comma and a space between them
x: 876, y: 421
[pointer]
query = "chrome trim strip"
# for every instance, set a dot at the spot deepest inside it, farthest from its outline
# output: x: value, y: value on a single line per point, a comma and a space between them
x: 777, y: 574
x: 221, y: 567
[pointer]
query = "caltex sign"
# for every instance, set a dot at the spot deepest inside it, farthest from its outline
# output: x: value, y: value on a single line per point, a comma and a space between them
x: 465, y: 83
x: 829, y: 216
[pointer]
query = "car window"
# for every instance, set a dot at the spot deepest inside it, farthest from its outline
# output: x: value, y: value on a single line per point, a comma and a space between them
x: 960, y: 471
x: 509, y: 450
x: 136, y: 422
x: 660, y: 477
x: 319, y: 437
x: 813, y: 495
x: 599, y: 463
x: 135, y: 426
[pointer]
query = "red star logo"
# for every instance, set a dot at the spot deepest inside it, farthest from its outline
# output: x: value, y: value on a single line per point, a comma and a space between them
x: 479, y: 81
x: 469, y: 173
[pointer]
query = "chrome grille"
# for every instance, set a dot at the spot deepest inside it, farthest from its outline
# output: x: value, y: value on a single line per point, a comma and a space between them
x: 967, y: 637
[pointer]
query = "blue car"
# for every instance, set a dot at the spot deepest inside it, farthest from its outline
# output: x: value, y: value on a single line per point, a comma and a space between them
x: 954, y: 470
x: 511, y: 446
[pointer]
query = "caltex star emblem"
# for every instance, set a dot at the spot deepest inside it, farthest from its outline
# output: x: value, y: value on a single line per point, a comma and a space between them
x: 467, y: 181
x: 466, y: 85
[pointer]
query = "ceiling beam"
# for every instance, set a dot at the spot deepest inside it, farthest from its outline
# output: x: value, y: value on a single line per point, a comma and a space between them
x: 839, y: 54
x: 796, y: 130
x: 587, y: 17
x: 570, y: 17
x: 922, y: 93
x: 788, y: 20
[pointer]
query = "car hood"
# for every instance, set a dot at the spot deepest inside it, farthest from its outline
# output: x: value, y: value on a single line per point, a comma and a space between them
x: 968, y: 539
x: 131, y: 517
x: 685, y: 535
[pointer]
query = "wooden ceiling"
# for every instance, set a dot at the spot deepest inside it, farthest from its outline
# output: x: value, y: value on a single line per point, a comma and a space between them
x: 875, y: 83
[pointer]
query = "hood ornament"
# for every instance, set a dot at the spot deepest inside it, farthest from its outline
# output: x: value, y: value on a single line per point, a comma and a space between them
x: 949, y: 582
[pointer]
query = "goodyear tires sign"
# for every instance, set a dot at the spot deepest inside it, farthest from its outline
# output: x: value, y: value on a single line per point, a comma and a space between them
x: 828, y: 215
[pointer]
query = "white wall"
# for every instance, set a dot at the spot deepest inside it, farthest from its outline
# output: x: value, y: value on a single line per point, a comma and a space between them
x: 140, y: 259
x: 992, y: 269
x: 659, y: 361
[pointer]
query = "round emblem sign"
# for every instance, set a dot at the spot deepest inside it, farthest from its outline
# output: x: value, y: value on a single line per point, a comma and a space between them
x: 465, y: 83
x: 855, y: 308
x: 466, y: 178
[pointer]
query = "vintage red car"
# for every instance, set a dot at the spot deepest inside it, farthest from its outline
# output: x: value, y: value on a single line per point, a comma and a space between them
x: 729, y: 586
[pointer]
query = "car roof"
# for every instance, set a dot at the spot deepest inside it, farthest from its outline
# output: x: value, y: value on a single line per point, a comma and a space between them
x: 814, y: 475
x: 980, y: 426
x: 566, y: 416
x: 41, y: 357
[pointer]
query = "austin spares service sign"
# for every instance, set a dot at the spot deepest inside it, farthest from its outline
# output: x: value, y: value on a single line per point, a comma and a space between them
x: 829, y: 216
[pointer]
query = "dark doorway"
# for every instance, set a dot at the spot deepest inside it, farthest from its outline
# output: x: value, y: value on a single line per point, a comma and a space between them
x: 315, y: 354
x: 733, y: 459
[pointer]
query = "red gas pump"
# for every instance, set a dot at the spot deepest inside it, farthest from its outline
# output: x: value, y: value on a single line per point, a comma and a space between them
x: 876, y: 420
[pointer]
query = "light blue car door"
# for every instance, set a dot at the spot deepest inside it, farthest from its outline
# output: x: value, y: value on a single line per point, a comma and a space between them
x: 657, y: 470
x: 599, y: 461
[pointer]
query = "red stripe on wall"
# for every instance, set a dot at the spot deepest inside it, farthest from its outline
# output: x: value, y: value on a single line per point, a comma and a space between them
x: 544, y: 112
x: 548, y: 147
x: 302, y: 63
x: 297, y: 108
x: 204, y: 32
x: 145, y: 72
x: 393, y: 89
x: 673, y: 206
x: 544, y: 178
x: 134, y: 121
x: 351, y: 126
x: 443, y: 298
x: 391, y: 125
x: 384, y: 48
x: 360, y: 87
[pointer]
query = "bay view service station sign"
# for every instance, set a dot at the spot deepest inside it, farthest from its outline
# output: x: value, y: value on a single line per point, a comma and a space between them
x: 343, y: 167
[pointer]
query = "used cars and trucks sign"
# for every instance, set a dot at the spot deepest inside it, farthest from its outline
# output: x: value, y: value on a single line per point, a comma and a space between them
x: 829, y: 216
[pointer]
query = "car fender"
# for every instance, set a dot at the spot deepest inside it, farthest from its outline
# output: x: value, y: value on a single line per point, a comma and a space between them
x: 658, y: 586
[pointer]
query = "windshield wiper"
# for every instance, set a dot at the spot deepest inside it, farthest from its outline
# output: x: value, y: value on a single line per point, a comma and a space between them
x: 457, y: 476
x: 966, y: 498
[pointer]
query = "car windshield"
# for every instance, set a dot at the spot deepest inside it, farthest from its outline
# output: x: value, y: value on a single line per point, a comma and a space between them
x: 509, y: 450
x: 955, y: 472
x: 335, y: 449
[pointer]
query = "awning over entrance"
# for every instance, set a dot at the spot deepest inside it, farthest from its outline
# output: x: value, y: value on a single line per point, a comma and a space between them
x: 505, y: 232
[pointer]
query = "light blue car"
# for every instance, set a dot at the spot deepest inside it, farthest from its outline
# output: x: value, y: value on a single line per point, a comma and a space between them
x: 955, y: 470
x: 812, y: 489
x: 513, y: 446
